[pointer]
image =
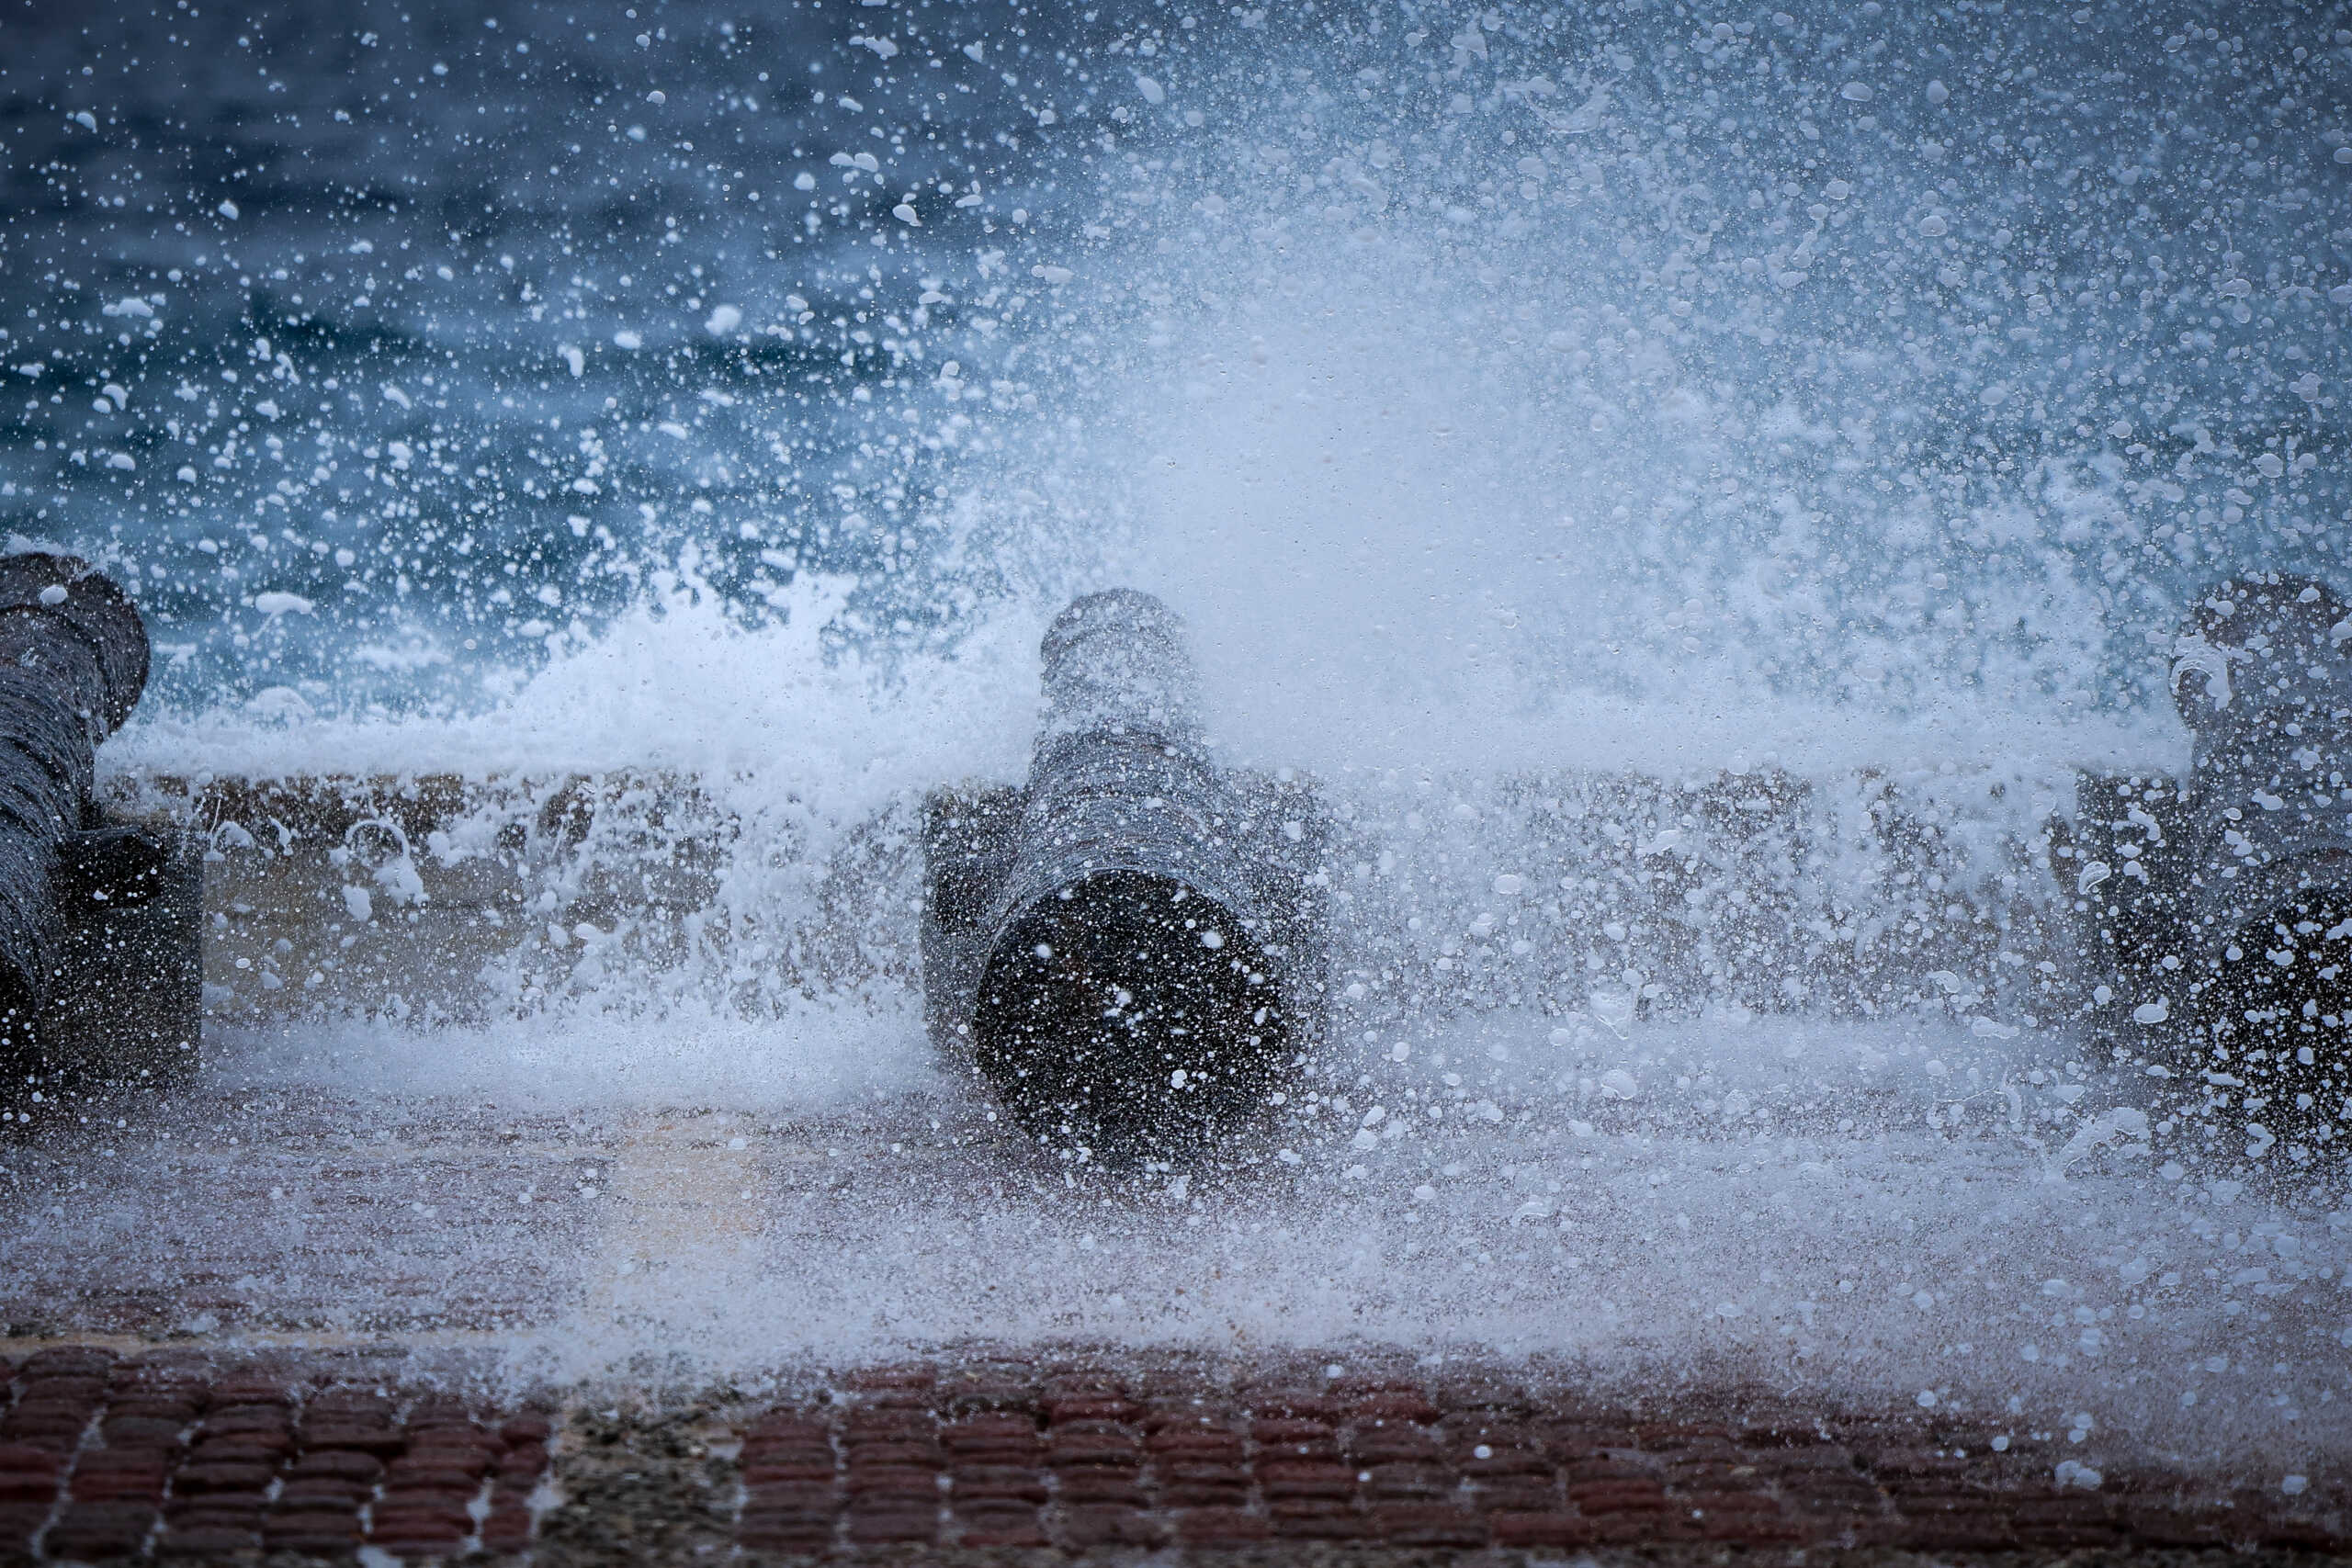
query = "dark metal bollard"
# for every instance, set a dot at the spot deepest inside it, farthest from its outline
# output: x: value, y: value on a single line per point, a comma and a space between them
x: 2263, y: 675
x: 100, y: 968
x: 2219, y: 910
x: 1128, y: 947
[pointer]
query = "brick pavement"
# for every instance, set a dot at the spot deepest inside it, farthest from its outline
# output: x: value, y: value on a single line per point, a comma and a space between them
x: 180, y: 1454
x: 174, y: 1455
x: 1079, y: 1461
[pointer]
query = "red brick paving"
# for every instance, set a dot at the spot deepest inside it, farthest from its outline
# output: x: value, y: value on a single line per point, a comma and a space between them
x: 167, y: 1455
x: 172, y: 1456
x: 919, y: 1457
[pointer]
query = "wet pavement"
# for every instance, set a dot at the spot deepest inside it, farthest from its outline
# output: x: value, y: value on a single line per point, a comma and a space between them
x: 650, y: 1290
x: 173, y: 1454
x: 177, y: 1453
x: 285, y: 1322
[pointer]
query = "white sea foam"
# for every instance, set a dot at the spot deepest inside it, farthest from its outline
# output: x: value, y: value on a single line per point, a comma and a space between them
x: 676, y: 684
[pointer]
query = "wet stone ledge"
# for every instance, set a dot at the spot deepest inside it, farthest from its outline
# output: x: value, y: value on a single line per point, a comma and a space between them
x: 422, y: 897
x: 431, y: 896
x: 175, y: 1456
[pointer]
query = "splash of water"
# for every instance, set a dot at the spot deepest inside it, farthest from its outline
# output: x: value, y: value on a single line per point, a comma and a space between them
x: 1495, y: 391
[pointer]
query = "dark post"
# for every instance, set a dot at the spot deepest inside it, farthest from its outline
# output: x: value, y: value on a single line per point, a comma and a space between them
x: 78, y: 945
x: 1127, y: 948
x: 2262, y: 673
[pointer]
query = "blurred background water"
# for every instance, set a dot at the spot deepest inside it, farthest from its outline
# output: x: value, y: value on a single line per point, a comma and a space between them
x: 1876, y: 359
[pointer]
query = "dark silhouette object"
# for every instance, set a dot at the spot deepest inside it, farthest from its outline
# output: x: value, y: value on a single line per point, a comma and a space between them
x: 2222, y: 909
x: 2263, y: 675
x: 100, y: 971
x: 1128, y: 947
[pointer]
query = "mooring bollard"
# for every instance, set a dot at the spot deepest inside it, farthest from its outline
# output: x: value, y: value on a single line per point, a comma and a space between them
x: 2216, y: 914
x: 1128, y: 947
x: 101, y: 968
x: 2263, y: 675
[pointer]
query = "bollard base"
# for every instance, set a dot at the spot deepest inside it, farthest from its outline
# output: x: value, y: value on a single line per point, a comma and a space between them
x: 970, y: 836
x: 2241, y: 1030
x: 126, y: 1008
x: 2281, y: 1017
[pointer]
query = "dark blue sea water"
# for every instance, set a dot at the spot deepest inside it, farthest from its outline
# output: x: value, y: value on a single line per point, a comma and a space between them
x: 1883, y: 355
